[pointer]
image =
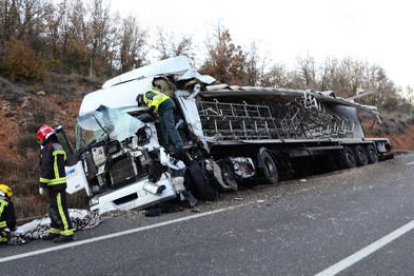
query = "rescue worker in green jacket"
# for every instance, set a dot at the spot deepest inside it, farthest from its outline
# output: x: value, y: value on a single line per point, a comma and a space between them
x: 164, y: 106
x: 7, y: 215
x: 53, y: 181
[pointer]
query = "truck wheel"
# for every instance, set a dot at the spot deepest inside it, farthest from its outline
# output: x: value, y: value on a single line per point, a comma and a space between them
x: 267, y: 166
x: 361, y: 156
x: 347, y: 158
x: 371, y: 154
x: 196, y: 179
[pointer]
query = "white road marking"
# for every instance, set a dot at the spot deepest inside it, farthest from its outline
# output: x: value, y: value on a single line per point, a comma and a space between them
x: 118, y: 234
x: 364, y: 252
x: 410, y: 163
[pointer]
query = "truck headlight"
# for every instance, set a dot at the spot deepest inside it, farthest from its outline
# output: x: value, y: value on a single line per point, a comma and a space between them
x: 93, y: 201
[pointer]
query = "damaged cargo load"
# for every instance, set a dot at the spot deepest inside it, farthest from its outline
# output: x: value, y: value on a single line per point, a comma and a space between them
x: 231, y: 134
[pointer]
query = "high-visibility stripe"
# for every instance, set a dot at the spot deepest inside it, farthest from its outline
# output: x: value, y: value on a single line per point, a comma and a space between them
x: 54, y: 230
x: 3, y: 204
x: 67, y: 232
x: 3, y: 224
x: 53, y: 182
x: 57, y: 181
x: 55, y: 167
x: 157, y: 99
x: 56, y: 152
x: 66, y: 229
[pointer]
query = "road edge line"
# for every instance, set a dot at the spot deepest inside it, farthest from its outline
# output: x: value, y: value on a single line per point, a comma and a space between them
x: 117, y: 234
x: 366, y: 251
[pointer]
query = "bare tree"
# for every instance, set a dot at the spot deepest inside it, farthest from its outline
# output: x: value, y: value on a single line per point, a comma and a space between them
x: 184, y: 46
x: 253, y: 74
x: 410, y: 92
x: 133, y: 41
x: 100, y: 38
x: 225, y: 61
x: 277, y: 76
x: 169, y: 46
x: 75, y: 49
x: 57, y: 27
x: 161, y: 44
x: 307, y: 68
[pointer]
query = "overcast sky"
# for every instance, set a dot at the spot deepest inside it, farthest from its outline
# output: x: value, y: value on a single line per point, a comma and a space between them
x: 377, y: 31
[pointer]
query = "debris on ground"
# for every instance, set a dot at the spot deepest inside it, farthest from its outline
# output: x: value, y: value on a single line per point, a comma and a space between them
x: 162, y: 208
x: 38, y: 228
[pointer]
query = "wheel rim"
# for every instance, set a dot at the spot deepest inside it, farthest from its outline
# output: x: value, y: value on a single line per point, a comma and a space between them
x: 362, y: 156
x: 373, y: 154
x: 350, y: 157
x: 270, y: 167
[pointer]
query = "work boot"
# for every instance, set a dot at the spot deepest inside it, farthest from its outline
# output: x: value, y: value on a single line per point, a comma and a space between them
x: 63, y: 239
x: 50, y: 237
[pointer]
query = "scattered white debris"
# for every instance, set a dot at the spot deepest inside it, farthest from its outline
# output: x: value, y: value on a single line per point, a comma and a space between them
x: 260, y: 201
x: 38, y: 228
x: 303, y: 180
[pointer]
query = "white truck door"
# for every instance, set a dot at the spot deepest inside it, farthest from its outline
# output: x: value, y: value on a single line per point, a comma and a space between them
x: 76, y: 179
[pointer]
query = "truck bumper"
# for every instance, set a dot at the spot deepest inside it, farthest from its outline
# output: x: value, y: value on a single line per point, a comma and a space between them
x: 133, y: 196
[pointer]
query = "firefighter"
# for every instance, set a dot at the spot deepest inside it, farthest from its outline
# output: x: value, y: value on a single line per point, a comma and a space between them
x: 53, y: 182
x: 7, y: 216
x: 163, y: 105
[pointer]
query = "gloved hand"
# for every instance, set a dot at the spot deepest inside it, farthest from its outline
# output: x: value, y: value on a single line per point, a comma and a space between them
x: 42, y: 191
x: 151, y: 111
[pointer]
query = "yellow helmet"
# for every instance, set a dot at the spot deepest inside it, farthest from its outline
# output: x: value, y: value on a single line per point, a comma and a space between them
x: 6, y: 190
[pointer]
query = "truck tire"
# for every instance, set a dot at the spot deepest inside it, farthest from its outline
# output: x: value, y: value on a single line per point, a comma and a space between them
x: 196, y: 179
x: 347, y: 158
x: 372, y: 154
x: 268, y: 171
x: 361, y: 156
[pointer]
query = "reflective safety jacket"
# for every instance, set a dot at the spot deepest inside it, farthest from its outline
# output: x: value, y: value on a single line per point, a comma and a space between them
x: 7, y: 216
x: 52, y: 166
x: 157, y: 101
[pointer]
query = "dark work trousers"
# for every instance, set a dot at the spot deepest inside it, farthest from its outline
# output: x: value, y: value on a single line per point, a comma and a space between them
x: 58, y: 212
x: 168, y: 132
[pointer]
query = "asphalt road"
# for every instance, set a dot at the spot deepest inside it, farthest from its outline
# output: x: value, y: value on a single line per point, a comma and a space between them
x: 349, y: 222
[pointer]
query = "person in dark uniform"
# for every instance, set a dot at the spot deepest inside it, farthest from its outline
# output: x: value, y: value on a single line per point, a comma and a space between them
x: 159, y: 103
x: 53, y: 181
x: 7, y: 215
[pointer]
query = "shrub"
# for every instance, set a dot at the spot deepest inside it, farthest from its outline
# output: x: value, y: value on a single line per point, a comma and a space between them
x: 21, y: 63
x: 7, y: 168
x: 25, y: 142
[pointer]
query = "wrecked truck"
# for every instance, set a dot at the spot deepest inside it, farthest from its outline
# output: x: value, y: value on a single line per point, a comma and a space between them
x: 232, y: 135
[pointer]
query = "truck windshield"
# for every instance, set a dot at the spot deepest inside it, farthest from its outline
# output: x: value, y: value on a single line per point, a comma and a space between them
x: 105, y: 123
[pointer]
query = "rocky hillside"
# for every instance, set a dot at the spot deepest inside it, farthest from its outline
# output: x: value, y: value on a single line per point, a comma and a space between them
x: 24, y: 107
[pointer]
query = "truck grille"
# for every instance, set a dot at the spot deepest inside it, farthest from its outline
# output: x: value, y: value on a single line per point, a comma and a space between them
x: 122, y: 172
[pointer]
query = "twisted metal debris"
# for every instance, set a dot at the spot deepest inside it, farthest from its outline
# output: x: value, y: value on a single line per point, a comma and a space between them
x: 302, y: 118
